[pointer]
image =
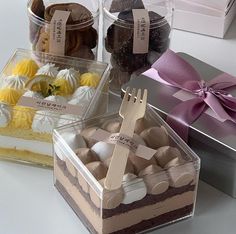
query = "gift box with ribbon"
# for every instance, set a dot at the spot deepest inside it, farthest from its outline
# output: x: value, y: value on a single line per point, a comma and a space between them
x: 199, y: 103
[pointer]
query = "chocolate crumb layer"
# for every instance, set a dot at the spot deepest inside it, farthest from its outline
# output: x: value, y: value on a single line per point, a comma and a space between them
x: 144, y: 225
x: 122, y: 208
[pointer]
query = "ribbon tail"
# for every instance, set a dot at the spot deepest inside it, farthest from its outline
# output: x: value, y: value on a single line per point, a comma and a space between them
x: 184, y: 114
x: 223, y: 81
x: 215, y: 104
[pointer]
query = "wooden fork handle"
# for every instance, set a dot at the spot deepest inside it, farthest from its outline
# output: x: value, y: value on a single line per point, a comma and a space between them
x: 119, y: 159
x: 117, y: 168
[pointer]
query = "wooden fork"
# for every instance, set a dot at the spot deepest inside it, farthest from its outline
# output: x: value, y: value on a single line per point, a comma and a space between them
x: 131, y: 110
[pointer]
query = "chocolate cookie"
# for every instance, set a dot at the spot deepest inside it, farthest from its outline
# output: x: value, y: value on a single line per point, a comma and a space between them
x: 42, y: 44
x: 79, y: 13
x: 125, y: 5
x: 117, y: 36
x: 126, y: 60
x: 84, y: 52
x: 38, y: 8
x: 90, y: 37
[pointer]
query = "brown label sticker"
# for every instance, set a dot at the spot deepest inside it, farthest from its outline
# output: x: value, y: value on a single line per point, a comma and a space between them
x: 41, y: 104
x: 58, y: 32
x: 141, y: 31
x: 125, y: 141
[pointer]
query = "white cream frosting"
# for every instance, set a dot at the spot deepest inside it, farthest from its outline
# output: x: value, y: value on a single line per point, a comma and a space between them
x: 44, y: 121
x: 5, y: 114
x: 134, y: 188
x: 57, y: 99
x: 33, y: 94
x: 37, y: 147
x: 48, y: 70
x: 83, y: 95
x: 14, y: 82
x: 71, y: 76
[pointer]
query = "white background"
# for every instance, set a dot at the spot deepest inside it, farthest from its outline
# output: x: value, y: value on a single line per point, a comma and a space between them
x: 29, y: 203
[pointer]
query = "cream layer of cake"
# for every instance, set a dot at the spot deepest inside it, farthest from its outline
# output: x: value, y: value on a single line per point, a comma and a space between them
x: 128, y: 218
x: 37, y: 147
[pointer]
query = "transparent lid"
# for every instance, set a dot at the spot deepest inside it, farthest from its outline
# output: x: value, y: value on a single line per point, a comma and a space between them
x: 160, y: 11
x: 49, y: 85
x: 65, y: 148
x: 90, y: 7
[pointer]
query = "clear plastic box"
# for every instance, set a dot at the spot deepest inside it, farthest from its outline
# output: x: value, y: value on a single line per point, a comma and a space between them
x: 82, y: 27
x: 154, y: 192
x: 32, y: 105
x: 119, y: 27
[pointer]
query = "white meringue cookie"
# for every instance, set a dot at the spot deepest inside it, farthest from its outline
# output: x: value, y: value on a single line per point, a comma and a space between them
x: 103, y: 150
x: 57, y: 99
x: 14, y: 82
x: 33, y: 94
x: 71, y: 76
x: 84, y: 93
x: 44, y: 122
x: 5, y: 114
x: 134, y: 188
x: 74, y: 140
x: 48, y: 70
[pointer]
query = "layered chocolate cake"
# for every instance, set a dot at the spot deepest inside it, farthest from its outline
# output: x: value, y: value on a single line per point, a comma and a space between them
x: 154, y: 192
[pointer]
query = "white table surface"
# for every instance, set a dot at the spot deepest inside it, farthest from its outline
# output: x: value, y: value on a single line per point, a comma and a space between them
x: 29, y: 203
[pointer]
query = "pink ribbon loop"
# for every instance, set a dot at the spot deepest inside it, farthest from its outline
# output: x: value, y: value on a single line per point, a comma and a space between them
x: 170, y: 69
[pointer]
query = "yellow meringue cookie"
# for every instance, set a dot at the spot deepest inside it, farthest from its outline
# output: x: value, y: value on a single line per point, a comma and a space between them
x: 22, y: 117
x: 63, y: 87
x: 26, y: 67
x: 91, y: 79
x: 10, y: 96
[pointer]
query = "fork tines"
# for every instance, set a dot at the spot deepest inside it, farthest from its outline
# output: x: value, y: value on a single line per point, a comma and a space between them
x: 135, y: 96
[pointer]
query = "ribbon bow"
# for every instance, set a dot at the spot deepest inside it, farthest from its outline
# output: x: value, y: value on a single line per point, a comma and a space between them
x: 172, y: 70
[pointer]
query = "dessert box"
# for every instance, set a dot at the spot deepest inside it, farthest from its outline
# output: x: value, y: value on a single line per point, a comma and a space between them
x: 51, y: 30
x: 135, y: 33
x: 154, y: 192
x: 209, y: 136
x: 203, y: 19
x: 39, y: 92
x: 219, y: 5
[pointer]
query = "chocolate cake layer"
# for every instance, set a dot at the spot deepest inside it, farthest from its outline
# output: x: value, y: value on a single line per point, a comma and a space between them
x: 158, y: 221
x: 122, y: 208
x: 144, y: 225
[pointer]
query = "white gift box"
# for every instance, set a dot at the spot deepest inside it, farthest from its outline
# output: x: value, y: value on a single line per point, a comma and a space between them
x: 203, y: 19
x: 217, y: 4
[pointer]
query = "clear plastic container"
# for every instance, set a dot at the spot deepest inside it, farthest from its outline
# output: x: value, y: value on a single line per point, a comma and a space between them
x: 63, y: 90
x: 81, y: 30
x: 154, y: 192
x: 118, y: 33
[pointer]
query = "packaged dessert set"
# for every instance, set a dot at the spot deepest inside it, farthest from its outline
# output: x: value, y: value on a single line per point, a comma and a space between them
x: 54, y: 103
x: 154, y: 192
x: 39, y: 92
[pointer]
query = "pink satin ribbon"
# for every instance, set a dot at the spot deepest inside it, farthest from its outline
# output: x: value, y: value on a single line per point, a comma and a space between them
x: 172, y: 70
